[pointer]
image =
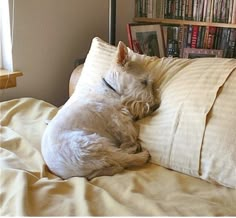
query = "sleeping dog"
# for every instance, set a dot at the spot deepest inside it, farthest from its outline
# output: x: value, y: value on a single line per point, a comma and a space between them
x: 96, y: 135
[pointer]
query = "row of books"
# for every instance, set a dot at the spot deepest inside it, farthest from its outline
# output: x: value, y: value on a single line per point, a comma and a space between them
x: 176, y: 38
x: 198, y: 10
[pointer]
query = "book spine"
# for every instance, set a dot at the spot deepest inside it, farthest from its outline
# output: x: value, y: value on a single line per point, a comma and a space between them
x: 154, y: 9
x: 216, y: 38
x: 234, y: 12
x: 139, y: 6
x: 183, y: 9
x: 144, y: 8
x: 166, y: 8
x: 161, y: 5
x: 181, y: 40
x: 180, y: 9
x: 186, y: 9
x: 169, y: 9
x: 194, y: 36
x: 227, y: 6
x: 199, y: 37
x: 149, y: 8
x: 223, y: 11
x: 214, y: 14
x: 232, y: 41
x: 224, y: 40
x: 226, y: 47
x: 206, y: 37
x: 195, y: 6
x: 201, y: 10
x: 218, y: 10
x: 136, y: 13
x: 208, y: 10
x: 202, y: 36
x: 211, y: 37
x: 172, y: 41
x: 185, y: 39
x: 190, y: 9
x: 204, y: 15
x: 175, y: 9
x: 220, y: 35
x: 189, y: 39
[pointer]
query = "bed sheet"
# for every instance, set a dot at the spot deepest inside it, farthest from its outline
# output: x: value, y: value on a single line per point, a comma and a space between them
x: 27, y: 188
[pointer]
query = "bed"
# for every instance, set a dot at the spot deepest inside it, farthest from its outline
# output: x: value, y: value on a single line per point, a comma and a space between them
x: 184, y: 178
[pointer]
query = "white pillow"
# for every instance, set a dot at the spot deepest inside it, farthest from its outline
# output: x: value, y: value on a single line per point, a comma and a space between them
x: 194, y: 130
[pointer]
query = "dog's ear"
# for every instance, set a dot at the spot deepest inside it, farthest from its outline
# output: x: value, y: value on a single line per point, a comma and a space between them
x: 122, y: 54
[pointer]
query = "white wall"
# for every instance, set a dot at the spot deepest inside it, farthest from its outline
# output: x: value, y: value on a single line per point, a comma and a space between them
x: 50, y: 34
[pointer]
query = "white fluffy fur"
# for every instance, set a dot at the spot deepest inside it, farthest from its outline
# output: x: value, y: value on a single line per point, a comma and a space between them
x: 96, y: 136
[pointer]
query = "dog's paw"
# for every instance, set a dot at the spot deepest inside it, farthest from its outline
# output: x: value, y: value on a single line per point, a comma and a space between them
x: 131, y: 149
x: 147, y: 155
x: 144, y: 156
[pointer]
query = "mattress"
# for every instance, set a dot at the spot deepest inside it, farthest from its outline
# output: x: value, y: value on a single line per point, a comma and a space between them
x: 27, y: 188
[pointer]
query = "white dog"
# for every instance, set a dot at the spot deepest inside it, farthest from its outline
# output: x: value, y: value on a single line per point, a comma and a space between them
x: 97, y: 136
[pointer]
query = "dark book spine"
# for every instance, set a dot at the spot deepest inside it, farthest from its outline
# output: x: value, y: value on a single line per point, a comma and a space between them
x: 232, y: 41
x: 189, y: 36
x: 199, y: 37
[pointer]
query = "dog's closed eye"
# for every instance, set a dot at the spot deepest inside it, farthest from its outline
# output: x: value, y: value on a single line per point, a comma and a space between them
x: 144, y: 82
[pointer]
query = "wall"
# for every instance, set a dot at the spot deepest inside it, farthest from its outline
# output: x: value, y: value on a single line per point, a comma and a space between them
x: 50, y: 34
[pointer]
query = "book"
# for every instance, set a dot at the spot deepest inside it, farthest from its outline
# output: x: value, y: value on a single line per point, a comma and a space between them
x: 205, y: 42
x: 234, y: 12
x: 159, y: 8
x: 173, y: 41
x: 181, y: 41
x: 211, y: 37
x: 149, y: 5
x: 189, y: 36
x: 200, y: 30
x: 208, y: 11
x: 231, y: 44
x: 194, y: 36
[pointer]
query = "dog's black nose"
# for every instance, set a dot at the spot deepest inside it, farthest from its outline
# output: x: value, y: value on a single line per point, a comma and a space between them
x: 154, y: 107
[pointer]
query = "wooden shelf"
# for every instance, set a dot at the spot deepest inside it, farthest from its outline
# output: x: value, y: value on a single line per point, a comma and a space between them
x: 8, y: 79
x: 182, y: 22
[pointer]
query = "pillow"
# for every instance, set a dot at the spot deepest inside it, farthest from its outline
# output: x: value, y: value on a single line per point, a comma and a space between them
x: 194, y: 130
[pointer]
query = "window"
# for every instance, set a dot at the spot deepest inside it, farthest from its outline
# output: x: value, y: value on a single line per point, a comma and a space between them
x: 6, y: 61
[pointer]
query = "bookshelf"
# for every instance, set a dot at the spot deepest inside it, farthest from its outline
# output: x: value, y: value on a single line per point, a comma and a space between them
x: 182, y: 22
x: 198, y: 15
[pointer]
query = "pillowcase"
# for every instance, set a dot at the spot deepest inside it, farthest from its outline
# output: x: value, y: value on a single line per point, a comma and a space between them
x: 194, y: 130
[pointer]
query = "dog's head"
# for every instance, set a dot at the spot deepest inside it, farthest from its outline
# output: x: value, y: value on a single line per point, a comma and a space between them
x: 136, y: 87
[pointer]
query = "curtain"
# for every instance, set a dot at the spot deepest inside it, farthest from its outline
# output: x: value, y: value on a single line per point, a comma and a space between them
x: 6, y: 61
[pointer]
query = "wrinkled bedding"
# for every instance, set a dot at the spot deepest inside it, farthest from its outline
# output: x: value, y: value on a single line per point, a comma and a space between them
x: 27, y: 188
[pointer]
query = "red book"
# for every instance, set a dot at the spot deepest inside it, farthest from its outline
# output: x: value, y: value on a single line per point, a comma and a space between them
x: 194, y: 36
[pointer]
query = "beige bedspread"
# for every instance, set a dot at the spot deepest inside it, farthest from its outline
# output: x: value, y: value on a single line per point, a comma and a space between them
x: 28, y: 189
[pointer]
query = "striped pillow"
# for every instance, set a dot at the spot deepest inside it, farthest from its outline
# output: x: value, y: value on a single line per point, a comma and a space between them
x: 194, y: 130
